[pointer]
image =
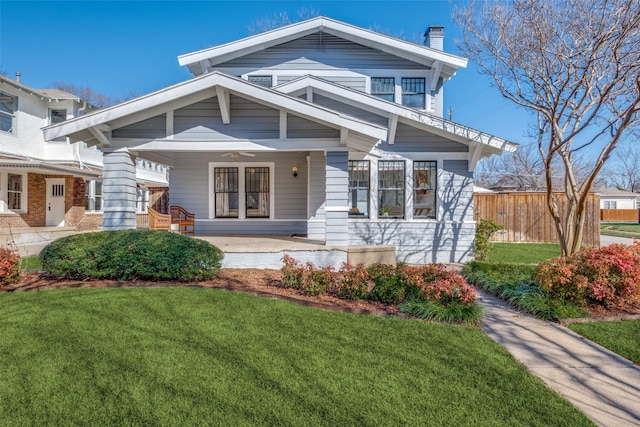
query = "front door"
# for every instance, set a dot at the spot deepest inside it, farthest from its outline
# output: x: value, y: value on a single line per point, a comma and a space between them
x: 55, y: 202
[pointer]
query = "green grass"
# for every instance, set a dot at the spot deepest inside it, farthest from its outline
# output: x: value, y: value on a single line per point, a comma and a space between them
x: 528, y: 253
x: 31, y: 263
x: 192, y: 356
x: 620, y: 337
x: 620, y: 229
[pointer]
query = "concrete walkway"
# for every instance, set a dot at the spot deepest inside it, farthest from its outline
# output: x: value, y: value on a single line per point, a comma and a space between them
x: 602, y: 384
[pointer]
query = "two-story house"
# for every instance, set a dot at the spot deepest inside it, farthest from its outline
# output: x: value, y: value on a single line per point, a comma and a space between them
x: 319, y: 128
x: 50, y: 183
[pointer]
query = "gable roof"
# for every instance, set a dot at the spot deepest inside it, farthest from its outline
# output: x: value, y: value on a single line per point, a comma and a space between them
x: 481, y: 144
x: 199, y: 61
x: 89, y: 127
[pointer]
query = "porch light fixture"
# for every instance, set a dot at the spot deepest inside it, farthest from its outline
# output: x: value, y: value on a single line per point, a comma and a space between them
x: 295, y: 171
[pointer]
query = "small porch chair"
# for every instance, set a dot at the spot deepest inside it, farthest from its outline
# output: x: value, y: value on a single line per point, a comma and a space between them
x: 186, y: 220
x: 159, y: 221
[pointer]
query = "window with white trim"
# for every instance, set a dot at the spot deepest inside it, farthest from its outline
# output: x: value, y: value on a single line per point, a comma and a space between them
x: 266, y: 81
x: 610, y: 204
x: 384, y: 88
x: 226, y: 192
x: 57, y: 115
x: 142, y: 200
x: 424, y: 189
x: 14, y: 192
x: 93, y: 196
x: 391, y: 179
x: 413, y: 92
x: 359, y: 188
x: 8, y: 108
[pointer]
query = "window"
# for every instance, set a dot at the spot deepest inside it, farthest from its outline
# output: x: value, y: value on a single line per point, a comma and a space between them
x: 142, y: 200
x: 14, y: 193
x: 257, y: 192
x: 413, y: 92
x: 57, y: 116
x: 226, y: 192
x: 265, y: 81
x: 391, y: 188
x: 93, y: 196
x: 8, y: 108
x: 424, y: 189
x: 359, y: 188
x: 383, y: 87
x: 610, y: 204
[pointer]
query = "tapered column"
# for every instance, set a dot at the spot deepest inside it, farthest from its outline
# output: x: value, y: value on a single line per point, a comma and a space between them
x: 337, y: 194
x: 119, y: 191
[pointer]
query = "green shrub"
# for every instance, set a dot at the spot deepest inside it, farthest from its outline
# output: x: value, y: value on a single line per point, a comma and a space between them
x: 484, y: 229
x: 131, y: 255
x: 515, y: 283
x: 318, y: 280
x: 9, y: 266
x: 292, y: 272
x: 451, y: 313
x: 388, y: 286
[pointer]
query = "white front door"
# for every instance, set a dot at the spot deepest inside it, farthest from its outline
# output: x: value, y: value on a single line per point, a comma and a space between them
x: 55, y: 202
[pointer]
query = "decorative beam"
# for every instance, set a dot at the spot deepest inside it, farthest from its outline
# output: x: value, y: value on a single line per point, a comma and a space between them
x: 436, y: 70
x: 309, y: 94
x: 344, y: 135
x: 283, y: 124
x: 224, y: 101
x: 169, y: 125
x: 475, y: 151
x: 392, y: 128
x: 102, y: 133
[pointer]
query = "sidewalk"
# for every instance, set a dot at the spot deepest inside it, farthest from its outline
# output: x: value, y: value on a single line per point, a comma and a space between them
x: 605, y: 386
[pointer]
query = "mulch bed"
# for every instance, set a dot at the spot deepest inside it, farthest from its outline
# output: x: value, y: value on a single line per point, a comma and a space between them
x: 268, y: 283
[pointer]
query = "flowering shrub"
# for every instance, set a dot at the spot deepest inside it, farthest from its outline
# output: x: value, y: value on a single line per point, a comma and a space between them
x: 9, y: 266
x: 605, y: 275
x: 354, y: 282
x: 292, y: 273
x: 318, y: 281
x: 435, y: 283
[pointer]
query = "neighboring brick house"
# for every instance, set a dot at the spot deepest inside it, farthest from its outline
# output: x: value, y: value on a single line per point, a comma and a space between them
x: 51, y: 183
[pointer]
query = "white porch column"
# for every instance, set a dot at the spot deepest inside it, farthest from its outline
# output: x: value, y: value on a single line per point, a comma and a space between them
x: 337, y: 193
x: 316, y: 217
x: 119, y: 190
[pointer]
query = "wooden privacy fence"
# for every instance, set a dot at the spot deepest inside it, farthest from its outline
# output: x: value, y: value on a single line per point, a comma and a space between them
x: 619, y: 215
x: 525, y: 217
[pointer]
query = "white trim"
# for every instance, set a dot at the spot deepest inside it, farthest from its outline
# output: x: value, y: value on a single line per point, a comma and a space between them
x: 336, y: 208
x: 4, y: 192
x: 241, y: 189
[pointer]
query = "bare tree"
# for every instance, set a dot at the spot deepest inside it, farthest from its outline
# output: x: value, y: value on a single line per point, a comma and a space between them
x: 86, y: 93
x: 281, y: 19
x: 576, y: 64
x: 623, y: 170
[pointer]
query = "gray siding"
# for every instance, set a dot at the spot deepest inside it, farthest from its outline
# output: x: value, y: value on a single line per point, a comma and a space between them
x: 203, y: 120
x: 189, y: 187
x: 337, y: 191
x: 410, y: 139
x: 298, y: 127
x: 353, y: 82
x: 317, y: 196
x: 119, y: 191
x: 456, y: 191
x: 418, y: 242
x: 155, y: 127
x: 349, y: 110
x: 320, y: 51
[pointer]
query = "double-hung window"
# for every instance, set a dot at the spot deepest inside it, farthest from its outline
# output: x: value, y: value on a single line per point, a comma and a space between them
x: 8, y: 108
x: 424, y: 189
x: 14, y: 192
x: 391, y: 188
x: 93, y: 196
x: 413, y: 92
x: 383, y: 87
x: 266, y: 81
x: 610, y: 204
x: 359, y: 188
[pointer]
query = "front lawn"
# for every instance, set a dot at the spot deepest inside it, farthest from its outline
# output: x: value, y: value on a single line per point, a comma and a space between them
x: 620, y: 229
x: 526, y: 253
x: 187, y: 356
x: 620, y: 337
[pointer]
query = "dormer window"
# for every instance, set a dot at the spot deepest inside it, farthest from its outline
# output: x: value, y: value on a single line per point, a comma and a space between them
x: 383, y: 87
x: 266, y: 81
x: 413, y: 94
x: 8, y: 108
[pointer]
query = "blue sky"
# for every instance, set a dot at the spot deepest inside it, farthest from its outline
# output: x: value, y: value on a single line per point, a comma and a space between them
x: 130, y: 47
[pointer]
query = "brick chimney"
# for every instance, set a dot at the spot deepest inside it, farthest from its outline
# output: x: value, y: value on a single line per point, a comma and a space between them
x: 434, y: 38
